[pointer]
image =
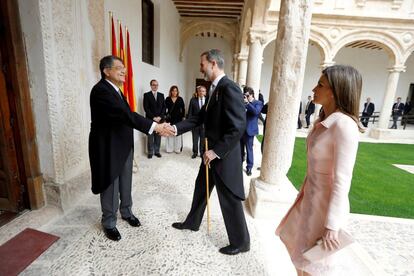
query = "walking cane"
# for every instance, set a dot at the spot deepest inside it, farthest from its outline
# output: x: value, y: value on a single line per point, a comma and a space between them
x: 207, y: 191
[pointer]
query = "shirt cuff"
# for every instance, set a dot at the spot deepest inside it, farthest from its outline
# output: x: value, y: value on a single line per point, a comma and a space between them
x: 151, y: 130
x: 175, y: 129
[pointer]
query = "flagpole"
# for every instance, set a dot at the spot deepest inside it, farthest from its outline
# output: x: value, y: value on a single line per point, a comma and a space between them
x: 207, y: 190
x: 110, y: 29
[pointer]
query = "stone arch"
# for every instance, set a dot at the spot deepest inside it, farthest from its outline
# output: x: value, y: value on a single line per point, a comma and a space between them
x: 389, y: 43
x: 408, y: 53
x: 227, y: 31
x: 321, y: 43
x: 317, y: 38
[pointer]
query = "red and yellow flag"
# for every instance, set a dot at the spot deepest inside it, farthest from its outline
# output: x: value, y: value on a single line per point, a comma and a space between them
x: 121, y: 55
x: 131, y: 90
x: 114, y: 51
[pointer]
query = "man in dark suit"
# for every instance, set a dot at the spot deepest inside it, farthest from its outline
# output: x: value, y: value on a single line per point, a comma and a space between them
x: 224, y: 119
x: 309, y: 110
x: 397, y: 111
x: 154, y: 107
x: 111, y: 145
x: 367, y: 112
x: 253, y: 108
x: 198, y: 132
x: 300, y: 112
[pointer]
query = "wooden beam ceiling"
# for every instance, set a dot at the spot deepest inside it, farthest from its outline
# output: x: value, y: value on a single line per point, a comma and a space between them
x: 210, y: 8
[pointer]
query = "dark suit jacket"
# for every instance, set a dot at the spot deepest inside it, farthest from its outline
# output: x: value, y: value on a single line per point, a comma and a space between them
x: 370, y: 109
x: 154, y: 108
x: 194, y: 107
x: 397, y: 110
x: 224, y: 120
x: 310, y: 109
x: 253, y: 110
x: 111, y: 136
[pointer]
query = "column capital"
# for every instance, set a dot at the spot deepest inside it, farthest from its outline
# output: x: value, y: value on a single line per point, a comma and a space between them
x: 257, y: 35
x: 397, y: 69
x: 327, y: 63
x: 241, y: 57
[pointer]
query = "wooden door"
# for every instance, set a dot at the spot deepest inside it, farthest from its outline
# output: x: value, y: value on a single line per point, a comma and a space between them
x: 10, y: 188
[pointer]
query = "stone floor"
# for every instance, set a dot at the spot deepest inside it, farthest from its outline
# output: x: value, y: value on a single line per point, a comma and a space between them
x: 162, y: 192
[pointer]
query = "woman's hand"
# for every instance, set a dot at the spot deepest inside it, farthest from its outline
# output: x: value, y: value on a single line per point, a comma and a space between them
x: 330, y: 239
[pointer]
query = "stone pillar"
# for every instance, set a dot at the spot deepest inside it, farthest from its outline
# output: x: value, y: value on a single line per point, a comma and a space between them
x: 393, y: 76
x: 254, y: 67
x: 273, y: 186
x: 242, y: 69
x: 235, y: 71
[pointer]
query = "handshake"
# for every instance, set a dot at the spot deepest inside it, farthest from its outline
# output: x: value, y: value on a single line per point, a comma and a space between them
x: 165, y: 129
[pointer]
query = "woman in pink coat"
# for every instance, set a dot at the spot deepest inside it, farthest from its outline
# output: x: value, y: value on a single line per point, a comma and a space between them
x: 322, y: 205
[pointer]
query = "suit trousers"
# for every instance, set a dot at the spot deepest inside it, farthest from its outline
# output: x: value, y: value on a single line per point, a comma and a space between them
x: 365, y: 119
x: 110, y: 197
x: 231, y: 208
x: 247, y: 143
x: 307, y: 118
x: 198, y: 140
x: 153, y: 143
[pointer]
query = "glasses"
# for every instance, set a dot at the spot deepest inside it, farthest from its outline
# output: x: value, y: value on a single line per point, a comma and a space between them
x: 118, y: 68
x: 154, y: 84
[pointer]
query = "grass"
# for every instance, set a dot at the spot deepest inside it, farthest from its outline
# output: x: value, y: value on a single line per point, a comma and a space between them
x: 378, y: 187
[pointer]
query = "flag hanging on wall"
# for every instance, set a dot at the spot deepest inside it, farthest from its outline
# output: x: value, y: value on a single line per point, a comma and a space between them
x: 131, y: 90
x: 114, y: 51
x: 121, y: 55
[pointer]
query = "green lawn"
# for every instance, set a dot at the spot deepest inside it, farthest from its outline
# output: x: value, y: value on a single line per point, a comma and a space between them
x: 378, y: 188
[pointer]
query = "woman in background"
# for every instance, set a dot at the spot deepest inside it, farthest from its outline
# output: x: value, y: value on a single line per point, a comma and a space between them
x: 322, y: 205
x: 175, y: 112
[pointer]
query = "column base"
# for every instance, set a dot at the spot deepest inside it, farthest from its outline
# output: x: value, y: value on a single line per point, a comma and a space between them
x: 265, y: 200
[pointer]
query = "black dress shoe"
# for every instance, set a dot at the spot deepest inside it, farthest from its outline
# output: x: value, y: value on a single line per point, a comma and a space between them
x: 158, y: 155
x: 194, y: 155
x: 112, y: 234
x: 248, y: 172
x: 133, y: 221
x: 182, y: 226
x: 149, y: 156
x: 231, y: 250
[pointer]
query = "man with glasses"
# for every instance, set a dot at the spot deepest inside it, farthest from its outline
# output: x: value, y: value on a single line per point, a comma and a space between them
x: 154, y: 106
x: 111, y: 145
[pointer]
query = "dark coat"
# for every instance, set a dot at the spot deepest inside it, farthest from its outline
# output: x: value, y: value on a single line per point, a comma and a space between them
x: 253, y: 110
x: 224, y: 120
x: 311, y: 108
x: 194, y: 106
x: 370, y: 109
x: 111, y: 136
x: 397, y: 109
x: 154, y: 108
x: 175, y: 111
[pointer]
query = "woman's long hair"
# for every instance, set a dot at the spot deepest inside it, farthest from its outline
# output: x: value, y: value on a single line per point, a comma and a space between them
x: 346, y: 84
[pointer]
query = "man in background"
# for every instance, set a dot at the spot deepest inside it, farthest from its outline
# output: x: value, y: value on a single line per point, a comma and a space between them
x: 196, y: 103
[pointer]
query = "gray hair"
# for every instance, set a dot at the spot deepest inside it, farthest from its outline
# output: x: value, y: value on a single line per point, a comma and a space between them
x: 215, y: 54
x: 107, y: 62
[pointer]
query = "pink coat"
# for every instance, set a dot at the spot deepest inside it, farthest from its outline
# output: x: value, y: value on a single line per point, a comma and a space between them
x: 322, y: 201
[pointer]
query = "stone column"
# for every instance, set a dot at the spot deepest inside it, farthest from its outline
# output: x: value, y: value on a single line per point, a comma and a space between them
x: 242, y: 68
x: 254, y: 67
x: 273, y: 186
x: 393, y: 76
x: 235, y: 72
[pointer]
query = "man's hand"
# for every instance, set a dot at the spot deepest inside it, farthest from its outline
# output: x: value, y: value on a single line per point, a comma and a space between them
x: 209, y: 156
x: 165, y: 129
x: 157, y: 119
x: 330, y: 239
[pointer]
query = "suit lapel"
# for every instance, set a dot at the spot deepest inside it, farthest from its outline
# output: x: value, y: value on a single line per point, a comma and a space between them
x: 213, y: 98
